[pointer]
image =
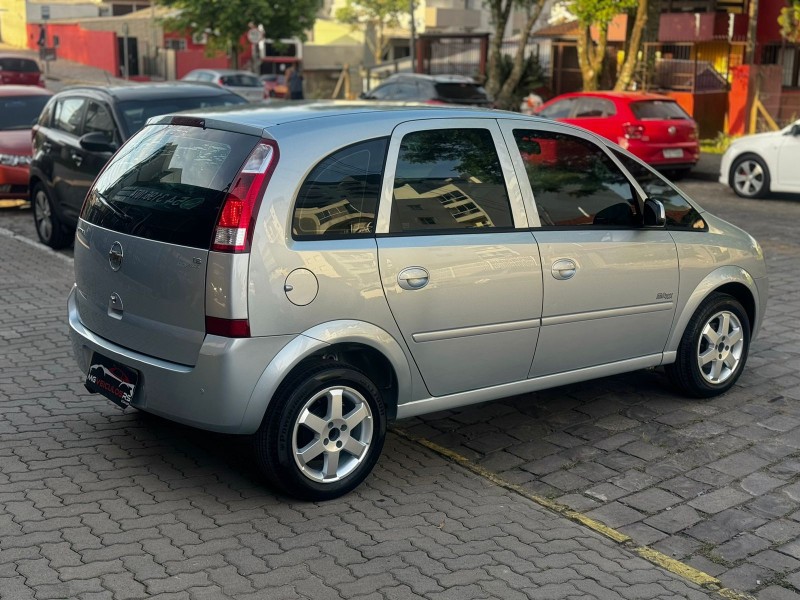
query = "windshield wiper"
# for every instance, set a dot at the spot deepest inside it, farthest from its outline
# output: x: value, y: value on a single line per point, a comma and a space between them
x: 119, y: 213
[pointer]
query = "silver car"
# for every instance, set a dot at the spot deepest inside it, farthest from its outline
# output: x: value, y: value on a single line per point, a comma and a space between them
x: 306, y: 274
x: 243, y: 83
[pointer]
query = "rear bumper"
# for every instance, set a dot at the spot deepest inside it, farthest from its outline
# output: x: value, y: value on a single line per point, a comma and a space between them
x: 653, y: 154
x: 14, y: 182
x: 213, y: 394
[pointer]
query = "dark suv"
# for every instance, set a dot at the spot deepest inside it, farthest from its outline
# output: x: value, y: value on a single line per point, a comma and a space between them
x: 78, y: 131
x: 430, y: 89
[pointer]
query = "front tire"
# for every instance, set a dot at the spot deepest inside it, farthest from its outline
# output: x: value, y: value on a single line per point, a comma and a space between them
x: 749, y: 177
x: 323, y: 432
x: 714, y: 348
x: 48, y: 225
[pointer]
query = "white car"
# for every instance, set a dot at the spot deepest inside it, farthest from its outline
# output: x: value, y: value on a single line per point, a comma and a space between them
x: 756, y: 165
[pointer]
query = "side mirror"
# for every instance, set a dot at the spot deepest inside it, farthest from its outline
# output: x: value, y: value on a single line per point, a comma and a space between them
x: 654, y: 213
x: 795, y: 131
x: 96, y: 141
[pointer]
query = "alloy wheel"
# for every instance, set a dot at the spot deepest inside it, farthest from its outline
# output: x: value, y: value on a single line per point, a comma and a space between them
x: 43, y: 215
x: 332, y: 434
x: 748, y: 178
x: 720, y: 347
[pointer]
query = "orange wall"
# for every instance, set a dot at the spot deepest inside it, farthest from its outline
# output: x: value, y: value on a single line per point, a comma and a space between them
x: 94, y: 48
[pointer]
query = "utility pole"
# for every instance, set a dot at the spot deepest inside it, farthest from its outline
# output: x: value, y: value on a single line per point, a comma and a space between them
x: 752, y: 28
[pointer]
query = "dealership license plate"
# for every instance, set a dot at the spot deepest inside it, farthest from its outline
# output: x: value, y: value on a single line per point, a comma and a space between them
x: 678, y: 153
x: 111, y: 379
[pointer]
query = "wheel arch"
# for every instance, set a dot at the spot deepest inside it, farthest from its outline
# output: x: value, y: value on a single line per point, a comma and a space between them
x: 362, y: 345
x: 729, y: 280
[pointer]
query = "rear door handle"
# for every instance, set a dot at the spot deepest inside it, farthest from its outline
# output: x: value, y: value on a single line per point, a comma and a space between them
x: 413, y: 278
x: 47, y: 146
x: 76, y: 157
x: 564, y: 268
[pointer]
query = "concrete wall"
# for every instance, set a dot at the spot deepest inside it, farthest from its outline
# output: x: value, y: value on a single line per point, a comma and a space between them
x: 63, y: 11
x: 13, y: 23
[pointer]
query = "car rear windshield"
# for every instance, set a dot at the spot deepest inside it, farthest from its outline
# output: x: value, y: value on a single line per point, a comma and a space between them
x: 240, y: 80
x: 136, y: 112
x: 658, y: 109
x: 470, y: 93
x: 167, y: 183
x: 20, y: 112
x: 23, y: 65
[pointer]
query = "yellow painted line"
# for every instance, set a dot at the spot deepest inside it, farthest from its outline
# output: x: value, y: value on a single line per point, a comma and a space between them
x: 12, y: 203
x: 653, y: 556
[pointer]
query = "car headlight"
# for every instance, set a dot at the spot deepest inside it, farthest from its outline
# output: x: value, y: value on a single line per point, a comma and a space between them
x: 14, y: 160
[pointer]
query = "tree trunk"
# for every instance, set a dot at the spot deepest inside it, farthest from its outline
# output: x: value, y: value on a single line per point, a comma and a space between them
x: 590, y: 57
x: 505, y: 96
x: 632, y: 55
x: 500, y: 9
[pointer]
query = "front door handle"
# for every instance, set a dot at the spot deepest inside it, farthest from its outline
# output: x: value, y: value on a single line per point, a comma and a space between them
x: 77, y: 158
x: 413, y: 278
x: 564, y: 268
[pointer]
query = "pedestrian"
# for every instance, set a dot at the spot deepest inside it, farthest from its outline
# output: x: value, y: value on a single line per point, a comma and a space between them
x: 295, y: 82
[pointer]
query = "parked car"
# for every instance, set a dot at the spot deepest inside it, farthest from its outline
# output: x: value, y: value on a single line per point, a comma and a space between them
x: 306, y: 280
x: 650, y: 126
x: 755, y: 165
x: 243, y: 83
x: 275, y: 86
x: 79, y: 130
x: 19, y: 70
x: 20, y: 106
x: 430, y: 89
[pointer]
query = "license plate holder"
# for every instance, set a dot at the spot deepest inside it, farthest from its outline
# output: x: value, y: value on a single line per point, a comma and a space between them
x: 112, y: 380
x: 673, y: 153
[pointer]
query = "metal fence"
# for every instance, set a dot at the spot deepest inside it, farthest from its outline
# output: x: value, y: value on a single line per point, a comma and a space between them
x: 671, y: 67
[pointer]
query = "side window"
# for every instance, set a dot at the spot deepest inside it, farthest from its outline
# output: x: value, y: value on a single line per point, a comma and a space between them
x: 680, y: 214
x: 340, y: 195
x: 575, y: 183
x: 560, y: 110
x: 405, y: 91
x: 383, y: 92
x: 449, y: 179
x: 68, y: 114
x: 99, y: 120
x: 595, y: 107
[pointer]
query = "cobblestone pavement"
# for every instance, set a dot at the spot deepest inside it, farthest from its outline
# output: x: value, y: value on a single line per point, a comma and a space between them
x: 99, y: 504
x: 713, y: 483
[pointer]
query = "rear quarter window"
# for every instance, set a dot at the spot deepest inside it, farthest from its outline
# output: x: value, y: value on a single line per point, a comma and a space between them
x: 22, y: 65
x: 167, y: 184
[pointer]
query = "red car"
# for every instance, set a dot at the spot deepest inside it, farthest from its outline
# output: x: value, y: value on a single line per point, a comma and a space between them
x: 653, y: 127
x: 20, y: 70
x: 20, y: 106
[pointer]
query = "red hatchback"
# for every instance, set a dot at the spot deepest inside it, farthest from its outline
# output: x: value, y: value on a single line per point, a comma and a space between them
x: 20, y: 70
x: 653, y: 127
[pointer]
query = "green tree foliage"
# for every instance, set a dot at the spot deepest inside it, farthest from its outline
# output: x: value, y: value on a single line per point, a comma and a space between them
x: 598, y: 13
x: 376, y: 16
x: 532, y: 77
x: 789, y: 21
x: 226, y: 21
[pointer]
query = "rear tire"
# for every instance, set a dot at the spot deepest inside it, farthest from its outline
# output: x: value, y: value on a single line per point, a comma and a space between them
x: 714, y: 348
x: 49, y: 228
x: 323, y: 432
x: 749, y: 177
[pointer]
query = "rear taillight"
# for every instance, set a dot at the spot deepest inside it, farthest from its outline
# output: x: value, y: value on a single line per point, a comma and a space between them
x: 234, y: 229
x: 633, y: 131
x: 234, y: 328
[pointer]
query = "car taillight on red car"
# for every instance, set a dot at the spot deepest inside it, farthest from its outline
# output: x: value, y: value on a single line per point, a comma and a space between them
x: 236, y: 219
x: 633, y: 131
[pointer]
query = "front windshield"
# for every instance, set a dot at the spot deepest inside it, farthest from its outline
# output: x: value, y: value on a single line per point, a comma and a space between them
x: 135, y: 113
x: 20, y: 112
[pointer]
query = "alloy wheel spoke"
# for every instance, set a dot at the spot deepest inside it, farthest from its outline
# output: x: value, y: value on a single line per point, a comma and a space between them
x: 725, y: 324
x: 354, y: 418
x: 710, y: 334
x: 716, y: 370
x: 310, y: 451
x: 735, y: 337
x: 313, y: 422
x: 707, y: 357
x: 730, y: 361
x: 335, y: 404
x: 354, y: 447
x: 331, y: 465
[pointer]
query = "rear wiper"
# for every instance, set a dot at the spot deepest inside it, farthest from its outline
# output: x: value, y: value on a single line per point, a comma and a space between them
x: 119, y: 213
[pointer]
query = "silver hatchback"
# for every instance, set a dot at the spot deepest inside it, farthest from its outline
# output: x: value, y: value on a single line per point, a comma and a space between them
x: 306, y: 274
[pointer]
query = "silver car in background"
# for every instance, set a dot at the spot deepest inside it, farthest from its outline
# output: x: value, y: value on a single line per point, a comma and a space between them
x: 306, y: 274
x: 243, y: 83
